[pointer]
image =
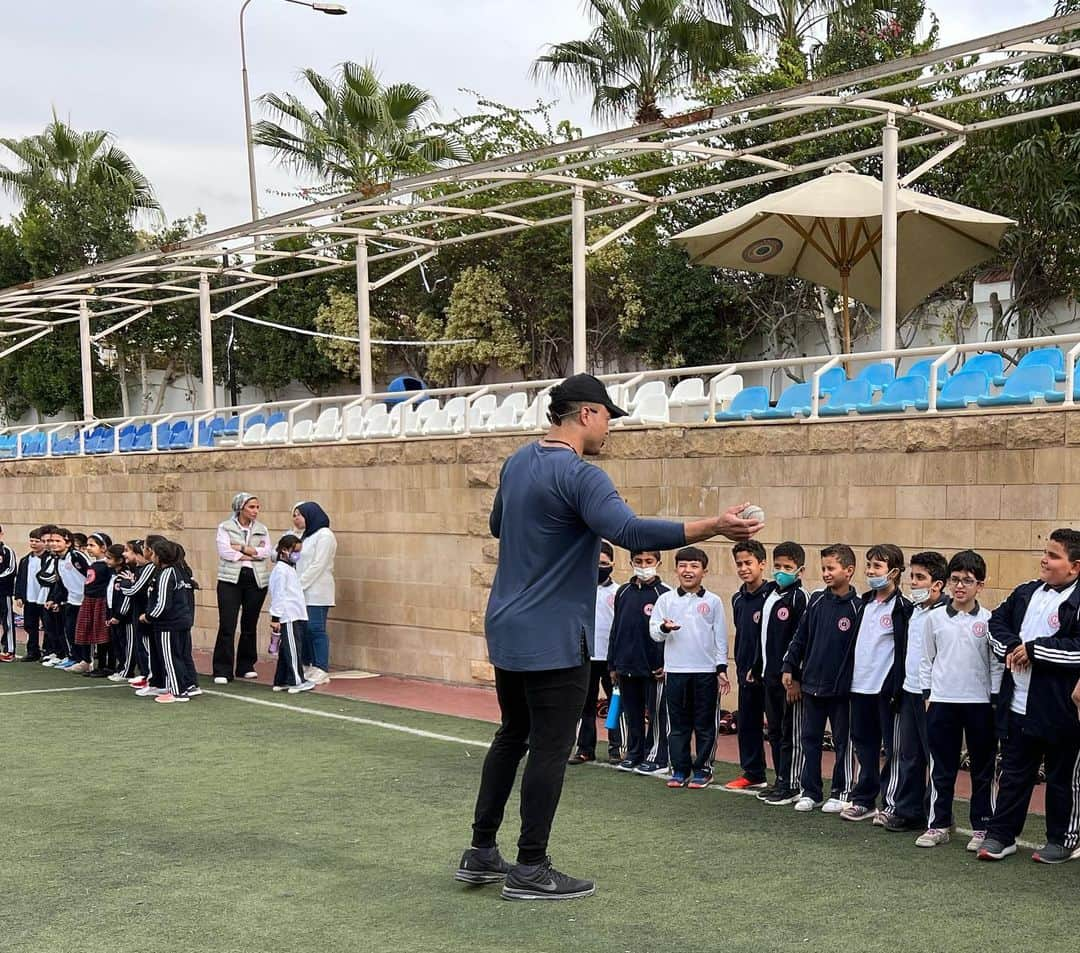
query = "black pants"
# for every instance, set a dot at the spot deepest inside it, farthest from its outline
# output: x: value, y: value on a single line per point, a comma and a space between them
x: 691, y: 707
x: 749, y: 726
x: 907, y: 795
x: 947, y: 725
x: 242, y: 599
x: 33, y: 614
x: 289, y: 671
x: 816, y: 709
x: 871, y: 729
x: 539, y: 711
x: 155, y: 664
x: 7, y: 625
x: 81, y: 653
x: 53, y: 622
x: 780, y: 717
x: 1020, y: 758
x: 646, y: 718
x: 175, y: 651
x: 586, y: 741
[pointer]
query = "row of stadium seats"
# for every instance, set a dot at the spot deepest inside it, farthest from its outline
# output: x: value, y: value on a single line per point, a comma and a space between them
x: 875, y: 390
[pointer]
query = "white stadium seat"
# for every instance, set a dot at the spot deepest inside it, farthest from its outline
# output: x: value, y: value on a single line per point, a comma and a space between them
x: 254, y: 435
x: 456, y: 408
x: 415, y: 423
x: 509, y: 412
x: 327, y: 427
x: 279, y: 433
x: 648, y: 389
x: 302, y: 431
x: 535, y: 417
x: 354, y: 421
x: 690, y: 404
x: 481, y: 411
x: 651, y: 409
x: 438, y: 423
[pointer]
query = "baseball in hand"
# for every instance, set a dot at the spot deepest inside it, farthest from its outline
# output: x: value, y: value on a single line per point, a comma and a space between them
x: 753, y: 512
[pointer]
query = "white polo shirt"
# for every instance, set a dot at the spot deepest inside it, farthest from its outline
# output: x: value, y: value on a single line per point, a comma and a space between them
x: 699, y: 645
x: 605, y: 616
x: 874, y: 647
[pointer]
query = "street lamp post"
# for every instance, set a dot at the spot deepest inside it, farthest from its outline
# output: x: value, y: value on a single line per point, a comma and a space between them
x: 331, y: 9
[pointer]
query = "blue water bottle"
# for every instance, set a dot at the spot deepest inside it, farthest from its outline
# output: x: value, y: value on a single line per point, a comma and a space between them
x: 614, y: 707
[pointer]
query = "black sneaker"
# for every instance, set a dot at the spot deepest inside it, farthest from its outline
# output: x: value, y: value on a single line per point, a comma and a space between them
x: 778, y: 797
x: 896, y: 824
x: 481, y: 865
x: 766, y: 794
x: 31, y: 658
x: 543, y: 882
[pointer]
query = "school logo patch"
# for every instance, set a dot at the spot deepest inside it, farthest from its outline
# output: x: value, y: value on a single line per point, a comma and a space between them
x: 704, y: 609
x: 978, y: 630
x: 648, y: 609
x: 757, y: 618
x: 1053, y: 622
x: 844, y: 624
x: 886, y: 621
x: 783, y: 613
x: 611, y: 601
x: 90, y: 576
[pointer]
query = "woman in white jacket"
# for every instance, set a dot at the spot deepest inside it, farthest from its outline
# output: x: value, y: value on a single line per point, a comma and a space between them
x: 316, y: 569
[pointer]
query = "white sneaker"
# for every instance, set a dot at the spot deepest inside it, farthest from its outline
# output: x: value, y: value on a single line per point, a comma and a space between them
x: 318, y: 677
x: 834, y: 806
x: 302, y: 687
x: 280, y: 688
x: 149, y: 692
x: 117, y: 677
x: 806, y: 804
x: 193, y: 692
x: 308, y: 670
x: 933, y: 837
x: 977, y: 838
x: 251, y: 674
x: 220, y: 680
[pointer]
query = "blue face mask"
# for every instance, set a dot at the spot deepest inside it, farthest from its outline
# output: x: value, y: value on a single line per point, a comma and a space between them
x: 783, y: 578
x: 294, y: 558
x: 877, y: 582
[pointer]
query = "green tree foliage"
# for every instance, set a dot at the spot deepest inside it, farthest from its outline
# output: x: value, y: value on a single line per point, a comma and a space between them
x: 360, y: 133
x: 642, y: 53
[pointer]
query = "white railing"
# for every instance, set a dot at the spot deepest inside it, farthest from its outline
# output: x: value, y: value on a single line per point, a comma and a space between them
x: 626, y: 382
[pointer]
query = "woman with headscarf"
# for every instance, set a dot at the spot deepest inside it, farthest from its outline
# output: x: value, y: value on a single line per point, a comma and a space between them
x: 243, y: 545
x: 316, y: 568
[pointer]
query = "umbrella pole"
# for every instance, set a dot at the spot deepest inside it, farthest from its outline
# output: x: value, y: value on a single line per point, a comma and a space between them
x: 847, y: 316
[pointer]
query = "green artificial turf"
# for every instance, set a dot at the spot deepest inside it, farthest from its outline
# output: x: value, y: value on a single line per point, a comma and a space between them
x: 225, y: 826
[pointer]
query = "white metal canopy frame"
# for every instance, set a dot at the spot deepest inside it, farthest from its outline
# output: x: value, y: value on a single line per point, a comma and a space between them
x: 567, y: 183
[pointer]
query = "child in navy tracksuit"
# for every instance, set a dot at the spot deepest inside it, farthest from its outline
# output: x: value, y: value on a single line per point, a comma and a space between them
x: 817, y: 671
x: 636, y: 663
x: 30, y: 596
x: 136, y: 586
x: 118, y: 616
x: 746, y: 608
x: 73, y: 568
x: 58, y: 653
x: 170, y: 609
x: 906, y: 798
x: 876, y: 679
x: 690, y: 622
x: 1036, y: 633
x: 961, y: 677
x: 9, y: 566
x: 780, y: 617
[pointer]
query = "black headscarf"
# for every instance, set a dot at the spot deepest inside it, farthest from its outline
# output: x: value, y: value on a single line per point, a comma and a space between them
x: 315, y: 518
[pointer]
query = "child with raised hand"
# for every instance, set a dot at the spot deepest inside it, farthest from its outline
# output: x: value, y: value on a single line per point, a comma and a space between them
x: 1036, y: 633
x: 91, y: 630
x: 817, y: 671
x: 961, y: 677
x: 288, y: 616
x: 690, y: 622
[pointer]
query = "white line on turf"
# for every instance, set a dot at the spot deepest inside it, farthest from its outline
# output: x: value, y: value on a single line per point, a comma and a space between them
x: 435, y: 736
x: 47, y: 691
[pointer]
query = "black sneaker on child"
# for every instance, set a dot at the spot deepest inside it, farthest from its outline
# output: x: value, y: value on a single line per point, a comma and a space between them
x: 781, y: 796
x: 543, y: 882
x: 481, y: 865
x: 896, y: 824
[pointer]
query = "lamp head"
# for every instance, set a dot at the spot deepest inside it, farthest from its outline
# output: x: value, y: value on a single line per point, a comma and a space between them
x: 332, y: 9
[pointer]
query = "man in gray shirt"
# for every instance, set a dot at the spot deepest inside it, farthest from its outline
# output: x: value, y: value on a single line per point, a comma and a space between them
x: 550, y: 513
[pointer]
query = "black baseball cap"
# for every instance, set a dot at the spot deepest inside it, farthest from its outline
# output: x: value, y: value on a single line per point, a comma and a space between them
x: 587, y: 389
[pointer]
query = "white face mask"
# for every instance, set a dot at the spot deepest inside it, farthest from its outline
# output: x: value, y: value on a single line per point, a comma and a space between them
x: 919, y: 596
x: 645, y: 572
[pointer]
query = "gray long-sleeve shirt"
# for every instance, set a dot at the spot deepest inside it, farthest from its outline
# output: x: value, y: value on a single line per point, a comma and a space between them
x: 550, y: 512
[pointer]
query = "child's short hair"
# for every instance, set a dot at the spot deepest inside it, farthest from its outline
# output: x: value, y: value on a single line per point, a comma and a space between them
x: 1069, y: 540
x: 842, y: 553
x: 287, y: 543
x: 967, y: 560
x: 888, y: 553
x: 607, y: 549
x: 751, y: 546
x: 49, y: 529
x: 79, y: 539
x: 934, y: 563
x: 167, y: 552
x: 36, y: 533
x: 692, y: 554
x: 790, y: 550
x: 65, y: 534
x: 116, y: 551
x: 645, y: 552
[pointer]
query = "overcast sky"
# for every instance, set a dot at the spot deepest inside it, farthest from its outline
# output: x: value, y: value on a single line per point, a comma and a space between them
x: 164, y: 75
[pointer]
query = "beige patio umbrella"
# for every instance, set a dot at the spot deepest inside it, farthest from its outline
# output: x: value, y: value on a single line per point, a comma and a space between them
x: 828, y: 231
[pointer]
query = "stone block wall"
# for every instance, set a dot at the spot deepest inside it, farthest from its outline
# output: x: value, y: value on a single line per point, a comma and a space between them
x: 415, y: 559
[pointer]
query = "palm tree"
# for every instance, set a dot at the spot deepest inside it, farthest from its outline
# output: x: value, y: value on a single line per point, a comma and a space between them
x: 75, y: 161
x: 361, y: 133
x: 642, y: 52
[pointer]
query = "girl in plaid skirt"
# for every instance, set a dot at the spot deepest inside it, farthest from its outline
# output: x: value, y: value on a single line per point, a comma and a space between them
x: 90, y: 627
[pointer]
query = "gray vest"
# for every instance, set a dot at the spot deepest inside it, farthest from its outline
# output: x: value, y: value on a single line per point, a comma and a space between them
x: 257, y: 536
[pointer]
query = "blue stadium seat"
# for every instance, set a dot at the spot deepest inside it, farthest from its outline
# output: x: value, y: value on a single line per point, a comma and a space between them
x: 32, y: 444
x: 793, y: 402
x: 1041, y: 357
x: 164, y: 435
x: 127, y: 437
x: 252, y: 421
x: 278, y: 418
x: 232, y: 427
x: 744, y: 403
x: 847, y: 397
x: 902, y: 394
x: 990, y: 363
x: 879, y: 376
x: 922, y: 369
x: 964, y: 388
x: 101, y: 440
x: 182, y: 436
x: 1025, y: 385
x: 832, y: 379
x: 209, y: 429
x: 64, y: 446
x: 9, y: 446
x: 144, y: 438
